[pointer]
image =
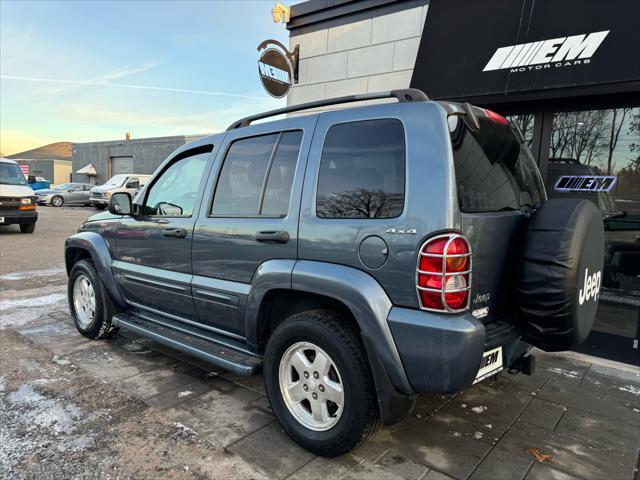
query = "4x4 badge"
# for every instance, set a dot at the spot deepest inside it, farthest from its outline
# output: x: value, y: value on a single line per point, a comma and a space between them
x: 402, y: 231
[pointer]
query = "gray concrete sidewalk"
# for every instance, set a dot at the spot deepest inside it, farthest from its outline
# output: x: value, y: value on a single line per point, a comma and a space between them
x: 572, y: 419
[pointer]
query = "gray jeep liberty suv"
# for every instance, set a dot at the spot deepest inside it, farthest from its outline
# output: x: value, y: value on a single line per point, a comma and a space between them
x: 356, y: 257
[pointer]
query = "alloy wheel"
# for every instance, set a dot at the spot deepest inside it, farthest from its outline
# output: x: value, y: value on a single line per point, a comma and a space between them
x: 311, y: 386
x: 84, y: 301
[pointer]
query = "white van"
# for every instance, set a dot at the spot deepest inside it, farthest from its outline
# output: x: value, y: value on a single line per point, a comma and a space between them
x: 130, y: 183
x: 17, y: 200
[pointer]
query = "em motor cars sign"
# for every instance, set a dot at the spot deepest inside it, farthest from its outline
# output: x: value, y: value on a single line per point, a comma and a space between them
x: 277, y: 68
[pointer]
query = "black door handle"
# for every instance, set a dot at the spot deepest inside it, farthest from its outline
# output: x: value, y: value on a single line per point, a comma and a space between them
x: 272, y: 237
x: 174, y: 232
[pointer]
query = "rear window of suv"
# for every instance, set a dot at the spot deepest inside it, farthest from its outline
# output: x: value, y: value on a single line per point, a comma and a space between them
x: 494, y: 171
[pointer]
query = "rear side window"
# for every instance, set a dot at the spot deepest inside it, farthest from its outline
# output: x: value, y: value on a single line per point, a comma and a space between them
x: 362, y: 170
x: 494, y: 171
x: 257, y: 176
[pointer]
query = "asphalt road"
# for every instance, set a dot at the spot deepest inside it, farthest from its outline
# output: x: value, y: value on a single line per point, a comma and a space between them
x: 42, y: 252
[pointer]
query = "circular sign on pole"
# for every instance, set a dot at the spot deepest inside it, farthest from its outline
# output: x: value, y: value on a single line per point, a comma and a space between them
x: 275, y: 72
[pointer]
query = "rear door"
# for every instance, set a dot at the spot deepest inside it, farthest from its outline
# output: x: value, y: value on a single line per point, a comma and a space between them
x: 250, y: 216
x: 153, y: 266
x: 498, y: 185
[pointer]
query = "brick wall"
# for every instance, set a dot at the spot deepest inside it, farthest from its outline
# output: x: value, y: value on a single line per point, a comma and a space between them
x: 365, y: 56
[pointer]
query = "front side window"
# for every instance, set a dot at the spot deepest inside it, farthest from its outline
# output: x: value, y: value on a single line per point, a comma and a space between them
x: 257, y: 176
x: 362, y: 170
x: 175, y: 191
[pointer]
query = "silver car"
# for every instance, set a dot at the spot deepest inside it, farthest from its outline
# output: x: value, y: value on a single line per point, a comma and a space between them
x: 65, y: 194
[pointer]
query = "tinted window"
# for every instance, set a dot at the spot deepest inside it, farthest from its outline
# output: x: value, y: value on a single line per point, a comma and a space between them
x: 283, y: 169
x: 242, y: 189
x: 494, y: 172
x: 362, y: 170
x: 175, y: 191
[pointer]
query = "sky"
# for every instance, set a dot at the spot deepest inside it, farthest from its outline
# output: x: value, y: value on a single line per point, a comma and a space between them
x: 85, y: 71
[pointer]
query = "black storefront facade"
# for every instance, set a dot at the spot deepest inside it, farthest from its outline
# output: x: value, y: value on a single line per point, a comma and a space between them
x: 566, y: 72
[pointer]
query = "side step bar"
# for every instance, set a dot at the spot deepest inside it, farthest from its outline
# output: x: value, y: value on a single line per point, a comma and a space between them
x: 237, y: 362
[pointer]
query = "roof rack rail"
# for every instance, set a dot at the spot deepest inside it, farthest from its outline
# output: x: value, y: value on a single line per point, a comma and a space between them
x: 403, y: 95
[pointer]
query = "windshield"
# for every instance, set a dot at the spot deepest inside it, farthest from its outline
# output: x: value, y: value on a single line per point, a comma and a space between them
x: 10, y: 174
x: 63, y: 186
x: 494, y: 171
x: 116, y: 180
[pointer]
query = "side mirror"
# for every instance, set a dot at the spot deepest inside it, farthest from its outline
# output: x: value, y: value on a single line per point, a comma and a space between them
x: 120, y: 204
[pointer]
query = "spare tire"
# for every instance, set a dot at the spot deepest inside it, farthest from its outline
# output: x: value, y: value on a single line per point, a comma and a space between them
x: 560, y: 275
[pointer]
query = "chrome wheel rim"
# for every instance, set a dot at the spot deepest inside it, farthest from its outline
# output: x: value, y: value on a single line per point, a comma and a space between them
x: 84, y: 300
x: 57, y: 202
x: 311, y: 386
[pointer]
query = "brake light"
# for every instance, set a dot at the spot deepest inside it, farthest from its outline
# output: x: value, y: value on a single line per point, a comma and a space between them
x: 443, y: 277
x: 496, y: 117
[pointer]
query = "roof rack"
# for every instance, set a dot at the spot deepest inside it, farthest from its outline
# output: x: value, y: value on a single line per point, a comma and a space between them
x: 404, y: 95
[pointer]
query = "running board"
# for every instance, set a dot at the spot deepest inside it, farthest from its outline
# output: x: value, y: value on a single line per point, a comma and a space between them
x: 209, y: 350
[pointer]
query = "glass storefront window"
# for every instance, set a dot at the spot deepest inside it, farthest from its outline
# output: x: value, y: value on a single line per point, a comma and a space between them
x: 607, y: 142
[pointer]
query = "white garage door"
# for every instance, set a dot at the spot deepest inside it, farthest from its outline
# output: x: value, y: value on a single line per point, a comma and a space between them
x: 121, y: 165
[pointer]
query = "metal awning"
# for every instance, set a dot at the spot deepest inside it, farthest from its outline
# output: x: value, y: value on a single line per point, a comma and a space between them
x: 88, y: 170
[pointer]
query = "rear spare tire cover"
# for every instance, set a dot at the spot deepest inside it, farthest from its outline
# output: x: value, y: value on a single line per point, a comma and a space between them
x: 561, y: 273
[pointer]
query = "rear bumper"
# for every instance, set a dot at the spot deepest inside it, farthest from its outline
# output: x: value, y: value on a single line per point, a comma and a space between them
x: 442, y: 353
x: 18, y: 217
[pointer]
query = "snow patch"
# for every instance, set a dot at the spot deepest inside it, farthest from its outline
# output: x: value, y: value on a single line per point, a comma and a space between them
x: 185, y: 393
x: 43, y: 412
x: 60, y: 361
x: 630, y: 389
x: 566, y: 373
x: 184, y: 431
x: 44, y: 301
x: 478, y: 435
x: 479, y: 409
x: 13, y: 276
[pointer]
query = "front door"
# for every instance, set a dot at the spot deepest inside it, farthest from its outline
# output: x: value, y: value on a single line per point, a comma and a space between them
x: 153, y: 264
x: 252, y: 217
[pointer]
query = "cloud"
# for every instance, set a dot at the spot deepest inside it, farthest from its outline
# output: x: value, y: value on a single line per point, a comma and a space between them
x: 104, y: 82
x: 106, y: 78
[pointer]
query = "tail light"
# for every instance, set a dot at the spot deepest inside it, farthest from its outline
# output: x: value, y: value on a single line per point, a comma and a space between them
x: 496, y: 117
x: 444, y: 273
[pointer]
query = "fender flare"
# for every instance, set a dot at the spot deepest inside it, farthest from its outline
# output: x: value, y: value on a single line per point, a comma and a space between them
x: 367, y: 301
x: 358, y: 291
x: 96, y: 246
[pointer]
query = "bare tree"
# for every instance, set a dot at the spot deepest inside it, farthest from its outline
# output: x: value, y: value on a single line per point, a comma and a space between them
x: 617, y: 120
x: 359, y: 203
x: 579, y: 135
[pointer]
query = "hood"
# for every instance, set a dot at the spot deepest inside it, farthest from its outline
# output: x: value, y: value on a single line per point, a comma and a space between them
x: 106, y: 215
x: 46, y: 191
x: 15, y: 191
x: 104, y: 188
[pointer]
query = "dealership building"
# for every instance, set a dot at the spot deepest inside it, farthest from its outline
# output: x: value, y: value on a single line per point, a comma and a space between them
x: 567, y: 73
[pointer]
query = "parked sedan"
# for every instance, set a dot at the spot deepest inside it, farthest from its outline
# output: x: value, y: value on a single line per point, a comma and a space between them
x: 65, y: 194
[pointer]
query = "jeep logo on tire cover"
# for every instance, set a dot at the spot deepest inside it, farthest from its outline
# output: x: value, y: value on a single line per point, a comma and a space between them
x: 591, y: 288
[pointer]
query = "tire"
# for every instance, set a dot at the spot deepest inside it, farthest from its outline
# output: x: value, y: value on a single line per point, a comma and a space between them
x: 99, y: 206
x: 92, y: 322
x: 28, y: 227
x: 328, y: 335
x: 561, y: 273
x: 57, y: 201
